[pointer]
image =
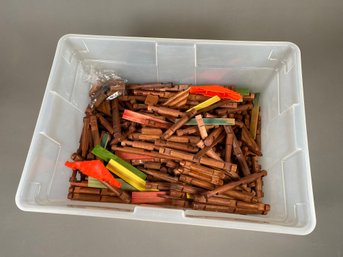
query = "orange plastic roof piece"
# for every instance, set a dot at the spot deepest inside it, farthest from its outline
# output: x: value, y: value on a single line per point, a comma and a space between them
x: 213, y: 90
x: 95, y: 169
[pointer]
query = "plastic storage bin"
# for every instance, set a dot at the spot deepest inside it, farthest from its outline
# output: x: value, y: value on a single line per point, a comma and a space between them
x: 271, y: 68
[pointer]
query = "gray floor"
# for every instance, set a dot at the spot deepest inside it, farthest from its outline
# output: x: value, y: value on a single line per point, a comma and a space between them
x: 29, y: 33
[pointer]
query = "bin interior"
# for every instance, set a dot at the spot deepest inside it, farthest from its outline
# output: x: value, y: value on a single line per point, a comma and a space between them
x: 273, y: 69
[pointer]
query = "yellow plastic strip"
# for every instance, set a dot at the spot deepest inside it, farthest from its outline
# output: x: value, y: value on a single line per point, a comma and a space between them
x: 126, y: 175
x: 189, y: 196
x: 206, y: 103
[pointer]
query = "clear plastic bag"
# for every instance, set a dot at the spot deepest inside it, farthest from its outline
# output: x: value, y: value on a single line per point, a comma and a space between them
x: 107, y: 86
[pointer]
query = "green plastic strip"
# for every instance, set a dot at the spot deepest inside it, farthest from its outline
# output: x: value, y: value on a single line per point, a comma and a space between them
x: 93, y: 182
x: 243, y: 91
x: 106, y: 155
x: 104, y: 140
x: 126, y: 186
x: 213, y: 121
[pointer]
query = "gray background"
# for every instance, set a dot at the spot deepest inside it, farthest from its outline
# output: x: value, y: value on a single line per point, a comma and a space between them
x: 29, y: 31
